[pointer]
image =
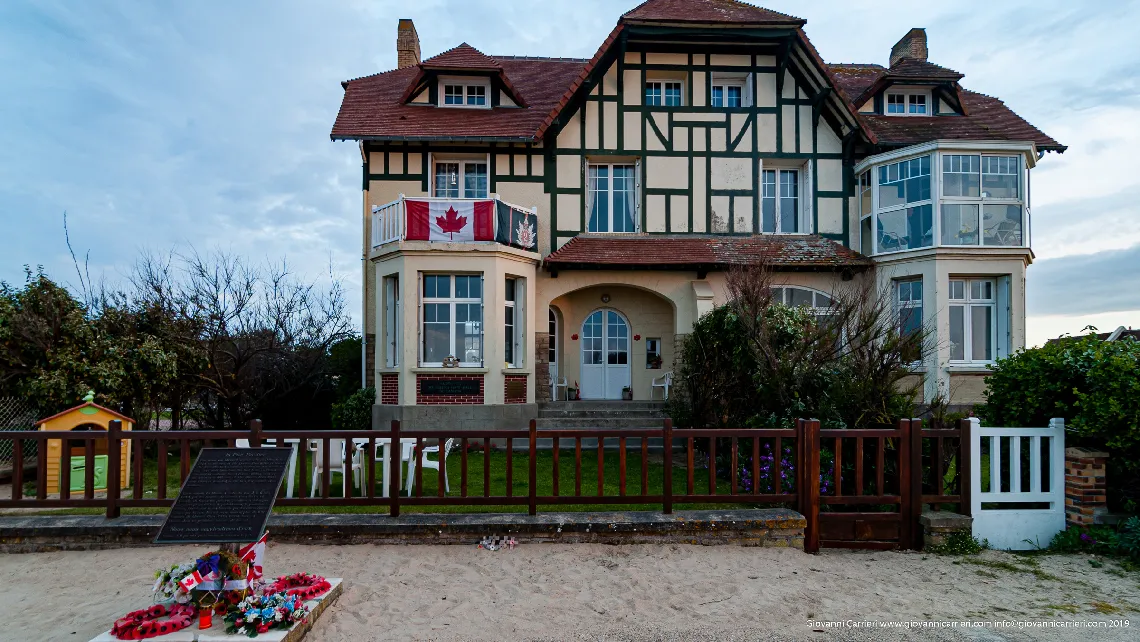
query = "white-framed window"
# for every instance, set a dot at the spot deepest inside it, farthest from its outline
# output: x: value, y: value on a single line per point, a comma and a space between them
x: 907, y: 104
x: 653, y: 353
x: 460, y: 179
x: 781, y: 202
x: 391, y: 321
x: 514, y: 320
x: 973, y: 320
x: 904, y: 216
x: 819, y: 302
x: 982, y: 200
x: 866, y: 203
x: 667, y: 93
x: 456, y: 93
x: 908, y: 305
x: 452, y: 317
x: 611, y: 194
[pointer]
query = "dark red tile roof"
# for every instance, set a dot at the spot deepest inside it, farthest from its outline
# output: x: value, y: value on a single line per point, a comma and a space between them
x: 914, y: 69
x: 372, y: 109
x: 988, y: 119
x: 788, y: 252
x: 462, y: 57
x: 854, y: 79
x: 708, y: 11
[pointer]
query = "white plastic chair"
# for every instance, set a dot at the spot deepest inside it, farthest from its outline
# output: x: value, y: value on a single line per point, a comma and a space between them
x: 289, y: 474
x: 430, y: 463
x: 336, y: 449
x: 555, y: 384
x: 664, y: 382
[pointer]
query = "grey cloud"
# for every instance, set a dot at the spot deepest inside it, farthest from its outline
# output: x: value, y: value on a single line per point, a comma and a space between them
x: 1086, y: 284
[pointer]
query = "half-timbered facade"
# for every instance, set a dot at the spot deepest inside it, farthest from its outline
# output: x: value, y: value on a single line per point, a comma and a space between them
x: 532, y: 220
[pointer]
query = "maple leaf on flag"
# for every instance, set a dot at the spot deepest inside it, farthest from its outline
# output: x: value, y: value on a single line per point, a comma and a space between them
x: 452, y: 222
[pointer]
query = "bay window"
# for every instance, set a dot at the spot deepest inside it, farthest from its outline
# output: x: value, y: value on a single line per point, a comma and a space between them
x: 982, y: 201
x: 780, y: 202
x: 973, y: 320
x: 513, y: 335
x: 905, y: 218
x: 452, y: 314
x: 611, y: 198
x: 460, y: 179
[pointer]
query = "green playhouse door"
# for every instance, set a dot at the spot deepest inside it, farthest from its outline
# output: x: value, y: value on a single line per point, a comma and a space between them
x: 79, y: 472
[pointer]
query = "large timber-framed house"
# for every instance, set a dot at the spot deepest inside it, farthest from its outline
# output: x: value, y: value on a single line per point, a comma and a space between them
x: 528, y: 220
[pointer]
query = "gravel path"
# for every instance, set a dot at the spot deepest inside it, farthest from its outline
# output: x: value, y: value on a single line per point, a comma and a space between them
x: 603, y: 592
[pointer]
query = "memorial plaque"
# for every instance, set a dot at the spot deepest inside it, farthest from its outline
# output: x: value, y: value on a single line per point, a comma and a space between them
x: 227, y: 497
x: 450, y: 387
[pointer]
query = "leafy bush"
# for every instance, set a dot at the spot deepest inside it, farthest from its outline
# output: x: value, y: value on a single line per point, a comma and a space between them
x: 1100, y: 540
x: 1093, y: 384
x: 959, y: 543
x: 354, y: 413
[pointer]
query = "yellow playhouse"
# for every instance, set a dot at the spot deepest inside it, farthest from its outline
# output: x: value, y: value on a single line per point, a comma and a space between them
x: 88, y: 416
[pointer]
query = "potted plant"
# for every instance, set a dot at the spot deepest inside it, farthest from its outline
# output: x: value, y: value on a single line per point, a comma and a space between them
x: 627, y: 394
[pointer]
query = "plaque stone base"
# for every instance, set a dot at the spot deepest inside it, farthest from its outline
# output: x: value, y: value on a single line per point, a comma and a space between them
x: 217, y: 633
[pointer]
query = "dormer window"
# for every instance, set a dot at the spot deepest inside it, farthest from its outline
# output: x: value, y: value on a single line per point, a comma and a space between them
x: 916, y: 104
x: 464, y: 93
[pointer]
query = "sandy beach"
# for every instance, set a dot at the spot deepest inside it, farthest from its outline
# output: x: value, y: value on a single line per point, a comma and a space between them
x: 603, y: 592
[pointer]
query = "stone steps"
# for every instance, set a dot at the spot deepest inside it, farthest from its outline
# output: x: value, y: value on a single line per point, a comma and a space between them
x: 582, y: 415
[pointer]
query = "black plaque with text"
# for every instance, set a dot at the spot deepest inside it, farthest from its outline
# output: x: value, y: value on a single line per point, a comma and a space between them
x: 450, y: 387
x: 227, y: 497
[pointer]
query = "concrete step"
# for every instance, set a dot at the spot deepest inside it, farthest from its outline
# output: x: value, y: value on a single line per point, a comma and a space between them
x: 602, y: 405
x: 586, y: 414
x: 580, y: 423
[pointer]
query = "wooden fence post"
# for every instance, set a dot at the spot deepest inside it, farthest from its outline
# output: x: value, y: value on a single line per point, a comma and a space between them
x: 255, y: 433
x: 916, y: 480
x: 667, y: 469
x: 811, y: 439
x: 965, y: 466
x: 907, y: 518
x: 533, y: 483
x: 114, y: 461
x: 396, y: 461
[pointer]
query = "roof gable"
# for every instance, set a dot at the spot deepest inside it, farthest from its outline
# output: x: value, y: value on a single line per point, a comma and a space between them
x: 708, y: 11
x: 462, y: 57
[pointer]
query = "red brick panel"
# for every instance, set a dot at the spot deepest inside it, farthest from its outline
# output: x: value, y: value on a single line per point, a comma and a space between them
x: 506, y: 388
x: 449, y: 400
x: 1085, y: 487
x: 390, y: 389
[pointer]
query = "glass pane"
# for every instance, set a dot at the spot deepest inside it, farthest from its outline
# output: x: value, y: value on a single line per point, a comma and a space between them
x: 801, y: 297
x: 437, y: 286
x: 981, y: 328
x: 624, y: 198
x: 910, y: 320
x: 461, y: 287
x: 958, y: 290
x: 917, y: 104
x: 981, y: 290
x: 673, y: 94
x: 733, y: 96
x: 652, y: 93
x: 453, y: 95
x: 906, y: 229
x: 475, y: 180
x: 896, y: 104
x: 959, y: 224
x: 822, y: 300
x: 468, y: 331
x: 865, y: 195
x: 960, y: 175
x: 865, y: 236
x: 446, y: 180
x: 476, y: 95
x: 789, y: 201
x: 1002, y: 225
x: 916, y: 290
x: 904, y: 291
x: 600, y: 192
x: 437, y: 335
x: 768, y: 202
x: 509, y: 334
x: 957, y: 333
x: 1000, y: 176
x: 509, y: 292
x: 718, y: 96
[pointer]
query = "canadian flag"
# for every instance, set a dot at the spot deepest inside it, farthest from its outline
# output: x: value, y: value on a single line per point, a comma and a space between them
x: 450, y: 220
x: 194, y: 579
x: 253, y: 554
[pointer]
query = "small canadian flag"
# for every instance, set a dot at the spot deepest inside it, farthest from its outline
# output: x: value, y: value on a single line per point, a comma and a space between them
x: 452, y: 221
x: 254, y: 554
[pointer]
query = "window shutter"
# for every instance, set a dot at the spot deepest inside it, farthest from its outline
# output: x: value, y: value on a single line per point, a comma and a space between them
x: 749, y: 90
x: 808, y: 200
x: 420, y: 316
x: 1004, y: 345
x: 637, y: 194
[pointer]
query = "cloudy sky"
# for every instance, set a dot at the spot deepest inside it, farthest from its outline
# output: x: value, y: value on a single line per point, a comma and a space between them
x: 162, y: 124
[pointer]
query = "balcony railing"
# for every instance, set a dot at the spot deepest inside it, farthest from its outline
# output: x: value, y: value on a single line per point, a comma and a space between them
x: 390, y: 221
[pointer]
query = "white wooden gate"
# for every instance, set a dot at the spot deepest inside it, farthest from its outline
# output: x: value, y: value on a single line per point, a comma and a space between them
x: 1018, y: 483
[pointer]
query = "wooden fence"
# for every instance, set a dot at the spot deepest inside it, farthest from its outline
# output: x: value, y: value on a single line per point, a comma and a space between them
x: 858, y: 488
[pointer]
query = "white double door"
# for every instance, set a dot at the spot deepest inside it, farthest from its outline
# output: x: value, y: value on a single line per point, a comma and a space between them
x: 605, y: 355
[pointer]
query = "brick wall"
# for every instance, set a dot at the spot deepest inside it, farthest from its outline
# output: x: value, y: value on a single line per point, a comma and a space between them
x: 449, y: 400
x: 1084, y: 486
x: 369, y: 361
x: 390, y: 389
x: 541, y: 367
x: 506, y: 388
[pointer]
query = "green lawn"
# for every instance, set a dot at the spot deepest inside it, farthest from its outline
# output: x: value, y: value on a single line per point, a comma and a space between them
x: 475, y: 488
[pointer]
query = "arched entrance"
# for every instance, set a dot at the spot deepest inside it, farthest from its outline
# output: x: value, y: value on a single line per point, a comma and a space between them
x: 605, y: 355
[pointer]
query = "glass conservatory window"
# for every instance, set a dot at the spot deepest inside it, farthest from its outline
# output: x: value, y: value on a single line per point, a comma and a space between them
x: 905, y: 210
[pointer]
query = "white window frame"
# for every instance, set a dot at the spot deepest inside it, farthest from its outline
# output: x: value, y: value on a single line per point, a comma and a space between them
x: 802, y: 197
x: 392, y: 321
x: 932, y: 202
x: 982, y: 200
x: 661, y: 85
x: 452, y: 301
x: 864, y: 183
x: 518, y: 323
x: 591, y: 199
x: 723, y: 82
x: 968, y: 303
x: 463, y: 165
x: 653, y: 348
x: 907, y: 98
x: 469, y: 87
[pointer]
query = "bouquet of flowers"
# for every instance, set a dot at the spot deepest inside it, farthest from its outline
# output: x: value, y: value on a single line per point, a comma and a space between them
x: 166, y: 586
x: 262, y: 613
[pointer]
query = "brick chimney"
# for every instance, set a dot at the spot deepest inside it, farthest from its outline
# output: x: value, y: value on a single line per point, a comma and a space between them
x: 407, y: 44
x: 912, y: 45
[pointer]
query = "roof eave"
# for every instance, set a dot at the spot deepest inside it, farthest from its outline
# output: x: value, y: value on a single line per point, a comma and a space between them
x: 430, y: 139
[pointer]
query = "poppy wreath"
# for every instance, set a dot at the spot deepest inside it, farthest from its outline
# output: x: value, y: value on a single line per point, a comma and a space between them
x: 302, y: 585
x: 140, y: 625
